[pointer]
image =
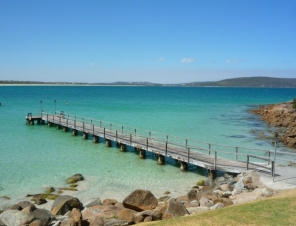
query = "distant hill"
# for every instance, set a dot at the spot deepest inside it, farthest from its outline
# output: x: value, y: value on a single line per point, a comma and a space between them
x: 250, y: 82
x: 234, y: 82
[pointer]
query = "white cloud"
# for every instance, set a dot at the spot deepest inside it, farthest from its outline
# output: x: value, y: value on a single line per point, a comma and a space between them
x: 234, y: 61
x: 187, y: 60
x: 160, y: 59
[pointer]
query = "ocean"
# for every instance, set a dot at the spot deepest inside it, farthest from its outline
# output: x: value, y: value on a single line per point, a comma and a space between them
x: 35, y: 157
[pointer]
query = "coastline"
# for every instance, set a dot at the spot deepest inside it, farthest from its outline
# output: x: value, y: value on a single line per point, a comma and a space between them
x: 136, y: 207
x: 282, y: 117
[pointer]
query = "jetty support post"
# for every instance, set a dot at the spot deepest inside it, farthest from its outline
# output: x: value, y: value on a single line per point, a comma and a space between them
x: 142, y: 154
x: 123, y: 147
x: 49, y: 124
x: 183, y: 166
x: 85, y: 135
x: 108, y: 143
x: 160, y: 159
x: 95, y: 139
x: 65, y: 128
x: 74, y: 132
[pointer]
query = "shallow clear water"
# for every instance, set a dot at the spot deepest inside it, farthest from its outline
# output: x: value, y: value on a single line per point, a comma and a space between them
x: 32, y: 157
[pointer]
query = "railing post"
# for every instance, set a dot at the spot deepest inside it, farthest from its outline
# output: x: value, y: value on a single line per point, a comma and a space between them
x: 166, y: 148
x: 147, y: 143
x: 269, y: 157
x: 236, y: 153
x: 215, y: 160
x: 274, y: 161
x: 130, y: 139
x: 121, y: 129
x: 116, y: 136
x: 135, y: 132
x: 104, y: 133
x: 186, y: 143
x: 209, y: 149
x: 272, y: 170
x: 93, y: 129
x: 83, y: 126
x: 75, y: 124
x: 248, y: 159
x: 188, y: 154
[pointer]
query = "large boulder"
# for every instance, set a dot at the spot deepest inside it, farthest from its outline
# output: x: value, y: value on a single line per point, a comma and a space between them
x: 191, y: 195
x: 95, y: 202
x: 108, y: 202
x: 174, y: 208
x: 199, y: 209
x: 97, y: 221
x: 65, y: 203
x: 154, y: 214
x: 140, y: 200
x: 15, y: 218
x: 105, y: 212
x: 43, y: 216
x: 74, y: 220
x: 205, y: 202
x: 22, y: 205
x: 127, y: 215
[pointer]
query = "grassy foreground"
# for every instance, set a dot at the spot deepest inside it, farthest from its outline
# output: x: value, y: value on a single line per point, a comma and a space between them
x: 277, y: 210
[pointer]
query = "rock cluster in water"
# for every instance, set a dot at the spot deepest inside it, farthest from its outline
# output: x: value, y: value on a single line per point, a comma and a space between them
x: 283, y: 117
x: 139, y: 206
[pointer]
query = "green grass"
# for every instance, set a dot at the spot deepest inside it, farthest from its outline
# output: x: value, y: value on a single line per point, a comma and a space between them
x: 279, y: 210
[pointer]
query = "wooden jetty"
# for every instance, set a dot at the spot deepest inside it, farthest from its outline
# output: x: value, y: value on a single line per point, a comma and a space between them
x: 186, y: 152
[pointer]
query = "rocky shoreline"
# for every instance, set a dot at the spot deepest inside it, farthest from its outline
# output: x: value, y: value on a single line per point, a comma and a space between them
x: 54, y: 208
x: 282, y: 117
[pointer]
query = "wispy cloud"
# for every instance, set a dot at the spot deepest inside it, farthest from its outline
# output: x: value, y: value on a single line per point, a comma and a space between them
x: 234, y: 61
x: 187, y: 60
x: 92, y: 64
x: 160, y: 59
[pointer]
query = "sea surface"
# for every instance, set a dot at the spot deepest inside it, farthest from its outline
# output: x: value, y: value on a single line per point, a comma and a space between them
x: 34, y: 157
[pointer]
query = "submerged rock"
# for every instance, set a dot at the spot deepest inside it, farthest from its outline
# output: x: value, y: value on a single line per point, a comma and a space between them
x: 75, y: 178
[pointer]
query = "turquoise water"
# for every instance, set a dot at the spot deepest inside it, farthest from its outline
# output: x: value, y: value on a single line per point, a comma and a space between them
x: 32, y: 157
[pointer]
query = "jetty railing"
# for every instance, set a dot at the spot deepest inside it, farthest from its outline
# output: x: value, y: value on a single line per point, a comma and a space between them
x: 170, y: 142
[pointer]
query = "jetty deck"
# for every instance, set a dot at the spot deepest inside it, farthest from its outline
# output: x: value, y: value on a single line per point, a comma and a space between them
x: 186, y: 153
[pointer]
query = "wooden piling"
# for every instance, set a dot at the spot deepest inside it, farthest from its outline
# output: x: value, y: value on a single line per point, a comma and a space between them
x: 95, y: 139
x: 142, y: 154
x: 160, y: 159
x: 183, y: 166
x: 108, y: 143
x: 74, y: 132
x: 85, y: 135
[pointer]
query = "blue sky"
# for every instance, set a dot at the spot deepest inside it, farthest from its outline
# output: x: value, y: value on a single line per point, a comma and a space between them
x: 164, y: 41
